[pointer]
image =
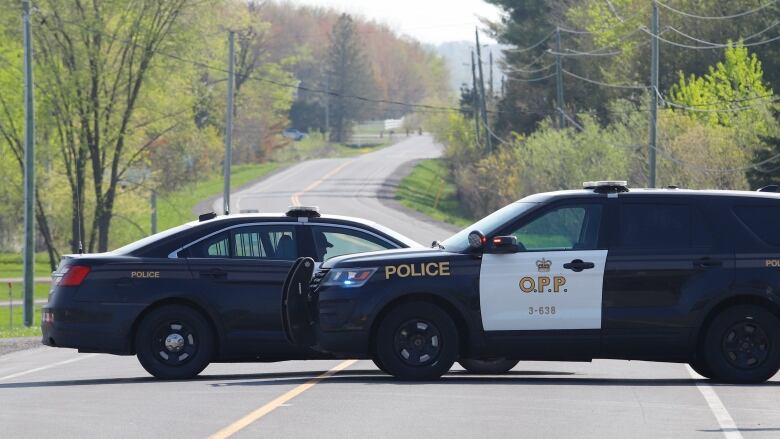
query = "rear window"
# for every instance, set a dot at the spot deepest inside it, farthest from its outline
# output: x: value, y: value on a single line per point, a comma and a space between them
x: 657, y: 226
x: 762, y: 220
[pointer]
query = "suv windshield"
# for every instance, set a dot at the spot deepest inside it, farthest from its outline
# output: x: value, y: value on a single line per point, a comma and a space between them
x: 459, y: 242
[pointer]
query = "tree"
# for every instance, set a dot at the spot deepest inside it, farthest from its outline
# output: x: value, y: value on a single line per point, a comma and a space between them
x: 349, y: 75
x: 99, y: 57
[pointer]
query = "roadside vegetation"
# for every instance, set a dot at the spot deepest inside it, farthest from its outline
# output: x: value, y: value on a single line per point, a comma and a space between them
x: 717, y: 108
x: 154, y: 117
x: 429, y: 189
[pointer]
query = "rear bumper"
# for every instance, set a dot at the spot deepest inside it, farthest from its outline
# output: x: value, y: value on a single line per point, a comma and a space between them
x: 104, y: 328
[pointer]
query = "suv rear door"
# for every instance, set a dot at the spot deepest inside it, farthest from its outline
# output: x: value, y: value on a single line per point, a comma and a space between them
x: 665, y: 257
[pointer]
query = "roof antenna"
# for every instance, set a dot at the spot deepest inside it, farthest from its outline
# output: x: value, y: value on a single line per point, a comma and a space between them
x: 78, y: 216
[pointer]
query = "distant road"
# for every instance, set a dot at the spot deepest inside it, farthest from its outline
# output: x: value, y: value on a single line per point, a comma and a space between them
x: 56, y: 393
x: 356, y: 186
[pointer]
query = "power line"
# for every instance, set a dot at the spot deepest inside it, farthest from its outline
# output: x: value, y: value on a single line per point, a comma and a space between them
x: 605, y: 84
x: 519, y: 70
x: 533, y: 46
x: 722, y: 44
x: 717, y: 46
x: 721, y: 17
x: 509, y: 78
x: 713, y: 110
x: 418, y: 107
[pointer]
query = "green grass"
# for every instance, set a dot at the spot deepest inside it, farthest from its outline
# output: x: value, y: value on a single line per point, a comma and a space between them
x: 11, y: 265
x: 429, y: 180
x: 18, y: 329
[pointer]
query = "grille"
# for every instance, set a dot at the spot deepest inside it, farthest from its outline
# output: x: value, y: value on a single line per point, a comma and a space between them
x: 318, y: 276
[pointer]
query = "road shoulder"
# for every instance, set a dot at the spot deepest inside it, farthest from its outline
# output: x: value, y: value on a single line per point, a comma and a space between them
x: 8, y: 345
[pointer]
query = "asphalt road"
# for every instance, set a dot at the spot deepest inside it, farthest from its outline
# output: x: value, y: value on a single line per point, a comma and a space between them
x: 47, y: 392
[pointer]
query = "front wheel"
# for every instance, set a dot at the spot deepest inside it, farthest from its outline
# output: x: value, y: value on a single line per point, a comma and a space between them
x: 742, y: 345
x: 174, y: 342
x: 495, y: 366
x: 417, y: 341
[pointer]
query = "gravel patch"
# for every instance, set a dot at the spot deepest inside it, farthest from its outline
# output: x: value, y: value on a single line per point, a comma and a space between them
x: 8, y: 345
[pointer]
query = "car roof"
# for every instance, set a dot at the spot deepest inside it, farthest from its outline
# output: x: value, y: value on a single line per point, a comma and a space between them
x: 644, y: 192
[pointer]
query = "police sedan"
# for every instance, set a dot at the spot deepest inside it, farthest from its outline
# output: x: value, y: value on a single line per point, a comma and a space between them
x: 204, y: 291
x: 666, y: 275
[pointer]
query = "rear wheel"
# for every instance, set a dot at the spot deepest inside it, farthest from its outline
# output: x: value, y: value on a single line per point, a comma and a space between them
x: 417, y: 341
x: 174, y: 342
x: 494, y: 366
x: 742, y: 345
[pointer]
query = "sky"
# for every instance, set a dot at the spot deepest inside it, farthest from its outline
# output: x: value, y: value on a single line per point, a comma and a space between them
x: 430, y: 21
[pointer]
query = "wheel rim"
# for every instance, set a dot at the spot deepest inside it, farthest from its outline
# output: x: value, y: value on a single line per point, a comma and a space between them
x: 174, y: 343
x: 417, y: 342
x: 745, y: 345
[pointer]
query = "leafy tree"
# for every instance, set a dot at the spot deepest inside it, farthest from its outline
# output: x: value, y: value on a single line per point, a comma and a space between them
x: 349, y: 75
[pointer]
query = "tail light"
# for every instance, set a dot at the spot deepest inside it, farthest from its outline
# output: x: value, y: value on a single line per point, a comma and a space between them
x: 74, y: 276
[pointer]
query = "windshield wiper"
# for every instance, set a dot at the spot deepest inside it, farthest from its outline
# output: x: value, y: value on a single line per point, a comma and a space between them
x: 437, y: 244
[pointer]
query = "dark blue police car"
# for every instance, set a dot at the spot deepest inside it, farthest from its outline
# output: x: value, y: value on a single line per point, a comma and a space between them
x: 204, y: 291
x: 605, y: 272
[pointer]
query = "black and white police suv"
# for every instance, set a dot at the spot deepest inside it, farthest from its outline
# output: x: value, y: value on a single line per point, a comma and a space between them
x: 204, y: 291
x: 605, y: 272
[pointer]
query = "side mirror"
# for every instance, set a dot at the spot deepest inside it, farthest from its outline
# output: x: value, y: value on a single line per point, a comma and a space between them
x: 477, y: 240
x: 504, y: 244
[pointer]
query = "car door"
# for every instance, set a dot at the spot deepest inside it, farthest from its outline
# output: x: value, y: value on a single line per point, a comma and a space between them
x: 241, y: 271
x: 664, y: 258
x: 547, y: 297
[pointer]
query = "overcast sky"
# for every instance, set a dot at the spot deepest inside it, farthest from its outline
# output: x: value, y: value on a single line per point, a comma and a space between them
x: 430, y: 21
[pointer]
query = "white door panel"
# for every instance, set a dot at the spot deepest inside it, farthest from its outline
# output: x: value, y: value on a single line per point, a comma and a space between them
x: 532, y: 291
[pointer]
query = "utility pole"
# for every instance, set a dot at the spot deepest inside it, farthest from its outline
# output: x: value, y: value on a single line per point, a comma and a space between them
x: 327, y: 105
x: 29, y: 168
x: 653, y: 98
x: 490, y: 75
x: 475, y: 98
x: 229, y: 120
x: 154, y: 211
x: 482, y: 93
x: 559, y: 79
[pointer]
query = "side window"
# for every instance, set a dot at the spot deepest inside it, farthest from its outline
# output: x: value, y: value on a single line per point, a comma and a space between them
x: 669, y: 226
x: 265, y: 242
x: 213, y: 247
x: 574, y: 227
x: 330, y: 242
x: 762, y: 220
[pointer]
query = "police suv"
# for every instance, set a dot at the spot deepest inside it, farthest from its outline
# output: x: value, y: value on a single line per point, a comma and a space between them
x: 667, y: 275
x: 204, y: 291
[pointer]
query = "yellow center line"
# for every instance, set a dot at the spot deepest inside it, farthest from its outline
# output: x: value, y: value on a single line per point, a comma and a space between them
x: 296, y: 201
x: 250, y: 418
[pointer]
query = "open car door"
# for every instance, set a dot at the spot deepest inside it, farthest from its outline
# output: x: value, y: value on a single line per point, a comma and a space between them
x: 297, y: 303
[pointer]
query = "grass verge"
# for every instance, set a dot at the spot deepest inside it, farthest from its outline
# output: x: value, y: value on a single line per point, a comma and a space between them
x: 429, y: 189
x: 18, y: 329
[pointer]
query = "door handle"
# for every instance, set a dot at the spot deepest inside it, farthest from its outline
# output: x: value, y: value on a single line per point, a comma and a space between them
x: 214, y: 273
x: 578, y: 265
x: 708, y: 263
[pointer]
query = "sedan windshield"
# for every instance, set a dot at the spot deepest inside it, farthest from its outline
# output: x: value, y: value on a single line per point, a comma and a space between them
x: 459, y: 242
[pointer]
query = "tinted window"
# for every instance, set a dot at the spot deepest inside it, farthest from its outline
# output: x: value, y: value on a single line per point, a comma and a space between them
x: 330, y: 242
x: 663, y: 226
x: 213, y: 247
x: 265, y: 242
x: 563, y: 228
x: 762, y: 220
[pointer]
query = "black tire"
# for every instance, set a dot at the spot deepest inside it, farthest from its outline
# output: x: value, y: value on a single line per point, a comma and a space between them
x: 742, y: 345
x: 417, y: 341
x: 495, y: 366
x: 379, y: 365
x: 174, y: 342
x: 701, y: 368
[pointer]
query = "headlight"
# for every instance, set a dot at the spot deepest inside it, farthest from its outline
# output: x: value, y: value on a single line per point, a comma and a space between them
x: 348, y: 277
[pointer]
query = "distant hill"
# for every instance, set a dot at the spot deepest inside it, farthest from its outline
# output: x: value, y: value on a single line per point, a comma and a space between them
x: 458, y: 56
